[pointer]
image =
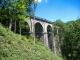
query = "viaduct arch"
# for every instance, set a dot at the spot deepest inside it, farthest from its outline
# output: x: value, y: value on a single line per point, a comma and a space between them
x: 42, y: 30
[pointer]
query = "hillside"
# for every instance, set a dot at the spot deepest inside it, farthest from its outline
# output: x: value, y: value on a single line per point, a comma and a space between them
x: 12, y: 47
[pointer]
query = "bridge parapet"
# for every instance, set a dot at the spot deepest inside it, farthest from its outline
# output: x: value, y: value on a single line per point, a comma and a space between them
x: 42, y: 19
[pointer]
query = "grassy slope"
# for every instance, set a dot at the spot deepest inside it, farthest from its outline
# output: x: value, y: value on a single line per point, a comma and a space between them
x: 14, y: 48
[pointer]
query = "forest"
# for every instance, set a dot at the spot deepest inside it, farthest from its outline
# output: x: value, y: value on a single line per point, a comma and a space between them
x: 69, y: 36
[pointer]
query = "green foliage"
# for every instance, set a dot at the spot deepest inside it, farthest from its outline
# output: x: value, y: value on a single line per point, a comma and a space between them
x: 61, y: 26
x: 70, y: 44
x: 70, y: 38
x: 15, y: 10
x: 12, y: 47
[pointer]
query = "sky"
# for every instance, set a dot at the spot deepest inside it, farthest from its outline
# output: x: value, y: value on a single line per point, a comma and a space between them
x: 65, y: 10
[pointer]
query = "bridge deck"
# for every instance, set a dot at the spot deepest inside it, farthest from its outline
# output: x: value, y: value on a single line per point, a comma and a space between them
x: 42, y: 19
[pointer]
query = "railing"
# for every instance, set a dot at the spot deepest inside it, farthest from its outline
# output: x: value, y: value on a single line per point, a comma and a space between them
x: 42, y: 19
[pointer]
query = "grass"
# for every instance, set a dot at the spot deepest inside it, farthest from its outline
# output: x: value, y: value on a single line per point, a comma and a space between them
x: 12, y: 47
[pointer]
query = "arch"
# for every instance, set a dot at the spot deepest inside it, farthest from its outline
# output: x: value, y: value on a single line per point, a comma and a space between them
x: 39, y: 31
x: 49, y: 37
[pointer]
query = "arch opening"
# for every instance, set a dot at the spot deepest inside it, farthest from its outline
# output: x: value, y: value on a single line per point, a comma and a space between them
x: 50, y: 42
x: 39, y: 32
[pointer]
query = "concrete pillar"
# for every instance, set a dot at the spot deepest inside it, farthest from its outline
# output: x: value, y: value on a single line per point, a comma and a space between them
x: 46, y: 39
x: 32, y: 26
x: 31, y: 21
x: 45, y: 34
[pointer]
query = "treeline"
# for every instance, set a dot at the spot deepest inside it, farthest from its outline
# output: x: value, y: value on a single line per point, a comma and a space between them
x: 69, y: 38
x: 13, y: 14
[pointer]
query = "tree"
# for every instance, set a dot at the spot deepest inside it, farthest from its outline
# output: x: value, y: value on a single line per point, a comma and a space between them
x: 67, y: 41
x: 71, y: 42
x: 15, y: 10
x: 58, y: 28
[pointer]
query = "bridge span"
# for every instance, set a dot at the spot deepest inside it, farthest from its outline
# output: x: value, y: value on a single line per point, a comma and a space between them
x: 42, y: 30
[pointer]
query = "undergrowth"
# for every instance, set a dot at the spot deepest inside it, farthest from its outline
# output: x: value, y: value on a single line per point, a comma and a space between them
x: 14, y: 47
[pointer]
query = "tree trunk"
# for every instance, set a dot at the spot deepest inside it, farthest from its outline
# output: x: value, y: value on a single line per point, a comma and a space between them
x: 20, y: 30
x: 15, y: 27
x: 54, y: 44
x: 10, y: 25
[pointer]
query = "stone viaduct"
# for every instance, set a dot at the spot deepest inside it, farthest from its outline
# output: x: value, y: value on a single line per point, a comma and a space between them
x: 42, y: 30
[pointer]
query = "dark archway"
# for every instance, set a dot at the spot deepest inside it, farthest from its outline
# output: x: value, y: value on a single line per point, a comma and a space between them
x: 39, y: 32
x: 50, y: 42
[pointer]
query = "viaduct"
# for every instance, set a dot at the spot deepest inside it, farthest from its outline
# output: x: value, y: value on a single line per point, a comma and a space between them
x: 42, y: 30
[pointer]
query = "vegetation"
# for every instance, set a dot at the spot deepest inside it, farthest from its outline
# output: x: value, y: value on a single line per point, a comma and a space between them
x: 13, y: 11
x: 69, y: 35
x: 16, y: 47
x: 12, y: 47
